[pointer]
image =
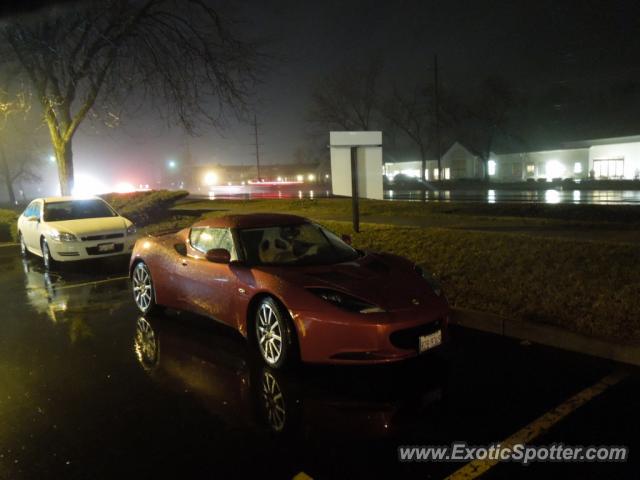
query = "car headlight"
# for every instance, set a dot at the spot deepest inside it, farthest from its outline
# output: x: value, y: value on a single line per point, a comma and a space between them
x: 345, y: 301
x: 433, y: 282
x: 131, y: 229
x: 63, y: 236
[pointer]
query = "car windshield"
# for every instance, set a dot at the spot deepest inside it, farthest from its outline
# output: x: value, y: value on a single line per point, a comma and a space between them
x: 306, y: 244
x: 76, y: 210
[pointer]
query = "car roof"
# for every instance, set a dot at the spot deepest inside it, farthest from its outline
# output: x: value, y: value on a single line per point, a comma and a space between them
x: 66, y: 199
x: 252, y: 220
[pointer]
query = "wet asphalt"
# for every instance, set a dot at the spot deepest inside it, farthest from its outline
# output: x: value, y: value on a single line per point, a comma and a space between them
x: 89, y: 389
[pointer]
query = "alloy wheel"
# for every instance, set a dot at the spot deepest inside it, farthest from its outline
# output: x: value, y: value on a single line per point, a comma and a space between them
x: 269, y: 334
x: 146, y: 345
x: 142, y: 287
x: 274, y: 402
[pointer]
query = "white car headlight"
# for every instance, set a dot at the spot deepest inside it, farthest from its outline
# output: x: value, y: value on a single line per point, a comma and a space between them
x: 131, y: 229
x: 63, y: 236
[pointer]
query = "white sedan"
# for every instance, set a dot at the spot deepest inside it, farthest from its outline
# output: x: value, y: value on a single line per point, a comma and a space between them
x: 61, y: 229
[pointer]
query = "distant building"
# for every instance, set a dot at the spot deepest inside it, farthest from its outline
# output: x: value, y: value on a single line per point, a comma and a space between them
x: 605, y: 158
x: 458, y: 162
x: 615, y: 158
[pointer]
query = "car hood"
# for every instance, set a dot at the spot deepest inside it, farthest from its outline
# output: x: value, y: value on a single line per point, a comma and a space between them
x: 383, y: 280
x: 91, y: 226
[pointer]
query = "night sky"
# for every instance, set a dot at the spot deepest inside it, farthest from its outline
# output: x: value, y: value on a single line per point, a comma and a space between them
x: 534, y: 45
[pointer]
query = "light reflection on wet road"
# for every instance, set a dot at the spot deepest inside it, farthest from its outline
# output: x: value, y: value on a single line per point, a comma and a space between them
x: 88, y: 389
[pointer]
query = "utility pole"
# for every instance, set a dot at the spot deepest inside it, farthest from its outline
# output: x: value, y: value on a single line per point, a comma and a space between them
x: 436, y: 113
x: 255, y: 130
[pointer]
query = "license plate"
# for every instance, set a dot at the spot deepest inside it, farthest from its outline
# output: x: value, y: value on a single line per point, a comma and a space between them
x: 106, y: 247
x: 427, y: 342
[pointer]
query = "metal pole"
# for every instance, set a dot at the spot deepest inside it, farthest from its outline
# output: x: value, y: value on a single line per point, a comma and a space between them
x: 255, y: 127
x: 436, y: 109
x: 355, y: 195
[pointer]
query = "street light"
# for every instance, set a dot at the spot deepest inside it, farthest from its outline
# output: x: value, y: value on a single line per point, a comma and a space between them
x: 210, y: 178
x: 52, y: 158
x: 172, y: 164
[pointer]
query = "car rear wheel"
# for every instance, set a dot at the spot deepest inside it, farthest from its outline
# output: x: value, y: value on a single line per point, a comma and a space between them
x: 274, y: 334
x: 48, y: 262
x: 142, y: 284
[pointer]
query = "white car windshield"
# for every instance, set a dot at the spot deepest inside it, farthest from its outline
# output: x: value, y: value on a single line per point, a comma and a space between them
x: 76, y: 210
x: 294, y: 245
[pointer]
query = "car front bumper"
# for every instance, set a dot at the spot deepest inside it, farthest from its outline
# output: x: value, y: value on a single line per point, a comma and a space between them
x: 367, y: 339
x: 86, y: 250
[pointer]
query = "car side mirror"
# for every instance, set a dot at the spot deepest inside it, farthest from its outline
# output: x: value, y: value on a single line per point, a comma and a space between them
x: 346, y: 239
x: 218, y: 255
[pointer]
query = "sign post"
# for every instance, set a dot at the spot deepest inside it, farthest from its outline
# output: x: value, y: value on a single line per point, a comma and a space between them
x: 356, y: 168
x: 355, y: 194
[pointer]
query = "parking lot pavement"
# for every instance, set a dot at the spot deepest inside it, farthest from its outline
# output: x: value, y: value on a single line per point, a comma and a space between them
x: 88, y: 389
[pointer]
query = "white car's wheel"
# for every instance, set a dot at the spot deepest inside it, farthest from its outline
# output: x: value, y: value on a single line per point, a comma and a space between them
x: 48, y: 262
x: 23, y: 246
x: 142, y: 285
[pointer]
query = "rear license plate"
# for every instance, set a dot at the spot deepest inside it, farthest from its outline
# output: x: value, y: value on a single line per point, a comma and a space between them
x: 427, y: 342
x: 106, y: 247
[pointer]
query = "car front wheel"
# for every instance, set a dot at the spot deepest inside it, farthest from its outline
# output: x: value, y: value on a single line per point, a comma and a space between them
x: 48, y: 262
x: 23, y: 246
x: 142, y: 285
x: 274, y: 334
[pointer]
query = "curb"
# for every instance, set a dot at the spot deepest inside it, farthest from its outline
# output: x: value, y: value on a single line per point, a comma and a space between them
x: 547, y: 335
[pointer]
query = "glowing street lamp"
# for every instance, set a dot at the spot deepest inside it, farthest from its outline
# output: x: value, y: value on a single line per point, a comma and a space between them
x: 172, y: 164
x: 210, y: 178
x: 52, y: 158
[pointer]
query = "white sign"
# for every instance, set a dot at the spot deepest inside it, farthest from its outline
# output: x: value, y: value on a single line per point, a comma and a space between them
x: 369, y: 161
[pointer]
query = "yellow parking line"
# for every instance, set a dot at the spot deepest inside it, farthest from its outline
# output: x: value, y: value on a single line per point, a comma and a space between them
x: 541, y: 425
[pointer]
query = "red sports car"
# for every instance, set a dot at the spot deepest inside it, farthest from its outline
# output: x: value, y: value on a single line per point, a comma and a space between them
x: 293, y: 288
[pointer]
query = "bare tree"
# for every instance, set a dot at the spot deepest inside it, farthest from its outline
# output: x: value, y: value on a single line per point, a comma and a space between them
x: 348, y: 98
x: 411, y: 112
x: 14, y: 166
x: 488, y: 118
x: 183, y: 56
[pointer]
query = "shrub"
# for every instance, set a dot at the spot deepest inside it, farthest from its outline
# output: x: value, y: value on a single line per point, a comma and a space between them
x: 144, y: 208
x: 8, y: 226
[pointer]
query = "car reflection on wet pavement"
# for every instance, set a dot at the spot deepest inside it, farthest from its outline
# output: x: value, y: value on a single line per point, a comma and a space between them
x: 232, y: 383
x: 89, y: 389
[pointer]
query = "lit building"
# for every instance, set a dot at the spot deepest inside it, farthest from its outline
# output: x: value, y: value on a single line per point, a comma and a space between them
x: 457, y: 162
x: 601, y: 159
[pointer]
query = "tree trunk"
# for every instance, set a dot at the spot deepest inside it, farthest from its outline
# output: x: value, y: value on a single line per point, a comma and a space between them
x: 64, y: 159
x: 423, y: 172
x: 6, y: 174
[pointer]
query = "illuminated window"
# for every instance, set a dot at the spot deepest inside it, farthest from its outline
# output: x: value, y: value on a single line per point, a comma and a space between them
x: 531, y: 169
x: 554, y: 169
x: 426, y: 174
x: 613, y: 168
x: 492, y: 167
x: 577, y: 167
x: 436, y: 174
x: 447, y: 173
